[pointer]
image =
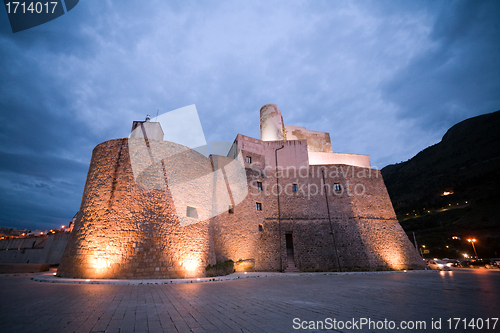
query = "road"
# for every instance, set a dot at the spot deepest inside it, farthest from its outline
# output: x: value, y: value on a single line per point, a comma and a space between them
x: 268, y: 304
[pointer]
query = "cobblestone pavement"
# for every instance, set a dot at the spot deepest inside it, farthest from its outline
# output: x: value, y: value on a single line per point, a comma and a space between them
x: 267, y: 304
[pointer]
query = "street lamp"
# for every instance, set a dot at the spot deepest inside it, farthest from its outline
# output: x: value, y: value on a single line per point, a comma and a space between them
x: 422, y: 251
x: 472, y: 241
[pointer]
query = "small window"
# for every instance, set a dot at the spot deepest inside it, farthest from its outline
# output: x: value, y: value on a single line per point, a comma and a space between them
x: 295, y: 187
x: 249, y: 159
x: 259, y: 186
x: 230, y: 209
x: 337, y: 187
x: 261, y: 228
x: 258, y: 205
x: 192, y: 212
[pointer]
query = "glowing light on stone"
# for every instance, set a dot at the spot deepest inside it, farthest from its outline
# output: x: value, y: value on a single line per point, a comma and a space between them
x: 100, y: 263
x: 394, y: 259
x: 190, y: 265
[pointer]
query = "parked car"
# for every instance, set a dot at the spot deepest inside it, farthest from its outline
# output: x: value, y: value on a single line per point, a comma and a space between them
x: 439, y: 264
x: 486, y: 263
x: 454, y: 262
x: 465, y: 263
x: 495, y: 261
x: 489, y: 263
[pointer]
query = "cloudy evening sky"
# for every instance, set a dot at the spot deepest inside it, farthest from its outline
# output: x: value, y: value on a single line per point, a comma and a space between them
x: 384, y: 78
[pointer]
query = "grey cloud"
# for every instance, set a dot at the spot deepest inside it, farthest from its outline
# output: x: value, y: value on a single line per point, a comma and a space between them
x: 35, y: 185
x: 43, y: 167
x: 385, y: 78
x: 458, y: 77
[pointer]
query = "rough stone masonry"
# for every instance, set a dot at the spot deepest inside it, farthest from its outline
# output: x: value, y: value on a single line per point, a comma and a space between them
x: 166, y: 211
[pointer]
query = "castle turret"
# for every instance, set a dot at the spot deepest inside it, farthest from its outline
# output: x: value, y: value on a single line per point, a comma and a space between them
x: 271, y: 123
x: 147, y: 130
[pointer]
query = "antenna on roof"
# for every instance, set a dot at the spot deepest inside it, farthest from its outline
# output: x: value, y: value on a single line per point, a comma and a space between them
x: 156, y: 119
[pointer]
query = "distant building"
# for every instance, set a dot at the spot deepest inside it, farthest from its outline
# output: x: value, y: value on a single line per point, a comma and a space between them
x: 156, y: 209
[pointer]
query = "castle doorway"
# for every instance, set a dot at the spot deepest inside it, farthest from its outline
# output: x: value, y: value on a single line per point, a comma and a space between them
x: 290, y: 258
x: 289, y: 244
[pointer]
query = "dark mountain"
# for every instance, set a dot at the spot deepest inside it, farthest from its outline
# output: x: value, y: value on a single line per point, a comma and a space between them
x: 450, y: 192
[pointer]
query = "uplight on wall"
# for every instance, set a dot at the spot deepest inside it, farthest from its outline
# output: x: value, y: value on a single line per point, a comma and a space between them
x: 190, y: 265
x: 100, y: 263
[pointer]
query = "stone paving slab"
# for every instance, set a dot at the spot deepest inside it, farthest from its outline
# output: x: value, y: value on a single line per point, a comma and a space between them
x: 271, y: 303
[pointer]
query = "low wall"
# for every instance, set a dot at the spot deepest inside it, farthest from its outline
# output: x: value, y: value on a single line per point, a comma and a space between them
x: 320, y: 158
x: 39, y: 250
x: 23, y: 268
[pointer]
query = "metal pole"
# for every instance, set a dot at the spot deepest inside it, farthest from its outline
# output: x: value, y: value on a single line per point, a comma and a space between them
x: 474, y: 250
x: 279, y: 211
x: 330, y: 220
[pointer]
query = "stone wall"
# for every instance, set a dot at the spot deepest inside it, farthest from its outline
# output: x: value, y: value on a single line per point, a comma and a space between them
x: 23, y: 268
x: 385, y: 241
x: 316, y: 141
x: 40, y: 250
x: 340, y: 217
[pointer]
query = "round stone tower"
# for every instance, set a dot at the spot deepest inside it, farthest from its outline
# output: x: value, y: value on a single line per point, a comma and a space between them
x: 128, y: 225
x: 271, y: 123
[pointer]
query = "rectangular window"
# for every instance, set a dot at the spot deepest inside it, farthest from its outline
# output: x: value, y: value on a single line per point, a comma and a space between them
x: 249, y: 159
x: 261, y: 228
x: 295, y: 187
x: 231, y: 209
x: 258, y: 205
x: 259, y: 186
x: 192, y: 212
x: 337, y: 187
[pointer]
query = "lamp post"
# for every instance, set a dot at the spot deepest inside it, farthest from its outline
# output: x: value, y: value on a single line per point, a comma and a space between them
x: 279, y: 211
x: 472, y: 241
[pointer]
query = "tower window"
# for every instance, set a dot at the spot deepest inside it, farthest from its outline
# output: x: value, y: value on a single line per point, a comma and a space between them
x: 337, y: 187
x: 191, y: 212
x: 249, y: 159
x: 295, y: 187
x: 258, y: 205
x: 230, y: 209
x: 259, y: 186
x: 261, y: 228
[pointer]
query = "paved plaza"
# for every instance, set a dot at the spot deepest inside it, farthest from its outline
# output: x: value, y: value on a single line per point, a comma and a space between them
x: 277, y: 303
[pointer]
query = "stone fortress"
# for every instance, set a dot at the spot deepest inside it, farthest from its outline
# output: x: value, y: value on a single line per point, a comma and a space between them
x: 156, y: 209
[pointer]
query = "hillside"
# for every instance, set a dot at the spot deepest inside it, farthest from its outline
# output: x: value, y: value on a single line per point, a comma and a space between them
x: 451, y: 189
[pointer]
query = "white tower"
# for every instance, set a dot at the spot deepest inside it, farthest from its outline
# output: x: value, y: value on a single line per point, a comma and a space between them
x: 271, y: 123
